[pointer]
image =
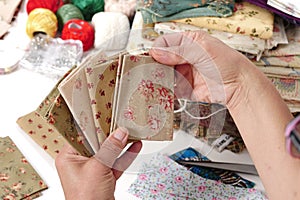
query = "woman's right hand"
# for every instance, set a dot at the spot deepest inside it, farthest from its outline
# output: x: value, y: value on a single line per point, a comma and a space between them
x: 217, y: 73
x: 212, y: 71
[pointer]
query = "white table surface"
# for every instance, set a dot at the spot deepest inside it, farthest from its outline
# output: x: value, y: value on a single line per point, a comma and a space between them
x: 22, y: 91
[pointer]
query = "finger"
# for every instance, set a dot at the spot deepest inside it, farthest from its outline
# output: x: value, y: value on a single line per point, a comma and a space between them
x: 112, y: 147
x: 179, y: 48
x: 126, y: 159
x: 200, y: 50
x: 70, y: 155
x: 184, y: 81
x: 68, y: 149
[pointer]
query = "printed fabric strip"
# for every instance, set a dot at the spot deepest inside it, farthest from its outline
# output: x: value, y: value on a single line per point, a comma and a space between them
x: 162, y: 11
x: 225, y: 176
x: 18, y: 179
x: 162, y: 178
x: 248, y: 19
x: 144, y: 102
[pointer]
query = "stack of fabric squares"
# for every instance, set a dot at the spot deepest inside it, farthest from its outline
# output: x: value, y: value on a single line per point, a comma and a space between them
x: 268, y: 36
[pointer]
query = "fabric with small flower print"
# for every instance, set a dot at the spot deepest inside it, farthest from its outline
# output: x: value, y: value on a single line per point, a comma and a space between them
x: 51, y: 125
x: 247, y: 19
x: 161, y: 11
x: 292, y: 47
x: 162, y: 178
x: 55, y: 111
x: 145, y: 98
x: 280, y: 61
x: 285, y: 55
x: 101, y: 83
x: 287, y: 83
x: 48, y: 138
x: 244, y: 43
x: 18, y: 179
x: 75, y: 91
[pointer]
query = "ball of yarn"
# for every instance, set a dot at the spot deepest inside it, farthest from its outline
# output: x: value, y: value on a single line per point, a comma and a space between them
x: 67, y: 12
x: 41, y: 20
x: 89, y: 7
x: 78, y: 29
x: 111, y: 30
x: 52, y: 5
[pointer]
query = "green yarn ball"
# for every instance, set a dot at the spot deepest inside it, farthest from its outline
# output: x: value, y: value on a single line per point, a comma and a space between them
x: 67, y: 12
x: 89, y: 7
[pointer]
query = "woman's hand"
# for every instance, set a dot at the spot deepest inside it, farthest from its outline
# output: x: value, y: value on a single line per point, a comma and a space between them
x: 214, y: 71
x: 95, y: 177
x: 217, y: 73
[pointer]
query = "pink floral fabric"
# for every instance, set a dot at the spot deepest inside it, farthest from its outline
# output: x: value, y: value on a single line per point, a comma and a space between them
x: 162, y: 178
x: 145, y: 98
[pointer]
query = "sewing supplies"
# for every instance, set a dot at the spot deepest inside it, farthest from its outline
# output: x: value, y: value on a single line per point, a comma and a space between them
x: 89, y: 7
x: 41, y: 20
x: 67, y: 12
x: 78, y: 29
x: 52, y: 5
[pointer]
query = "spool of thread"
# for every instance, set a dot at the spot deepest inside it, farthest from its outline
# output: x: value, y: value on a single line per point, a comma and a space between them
x: 67, y: 12
x: 41, y: 20
x: 107, y: 36
x: 89, y: 7
x: 78, y: 29
x: 52, y: 5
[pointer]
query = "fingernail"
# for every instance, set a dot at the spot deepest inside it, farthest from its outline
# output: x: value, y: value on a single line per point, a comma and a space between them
x: 120, y: 134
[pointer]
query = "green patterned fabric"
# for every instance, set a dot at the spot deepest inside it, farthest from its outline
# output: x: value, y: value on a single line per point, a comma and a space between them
x: 18, y: 179
x: 166, y: 10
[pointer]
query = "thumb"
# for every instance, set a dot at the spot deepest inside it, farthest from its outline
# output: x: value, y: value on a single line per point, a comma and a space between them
x: 112, y: 147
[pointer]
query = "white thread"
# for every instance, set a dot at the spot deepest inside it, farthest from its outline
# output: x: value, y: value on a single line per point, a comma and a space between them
x: 183, y: 108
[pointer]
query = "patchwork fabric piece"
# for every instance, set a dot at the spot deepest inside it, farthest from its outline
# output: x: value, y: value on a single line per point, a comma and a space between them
x: 158, y: 11
x: 18, y: 179
x: 292, y: 47
x: 163, y: 178
x: 282, y: 61
x: 285, y: 55
x: 248, y: 19
x: 145, y: 98
x: 287, y: 87
x: 244, y: 43
x: 279, y: 35
x: 74, y: 89
x: 53, y: 116
x: 48, y: 138
x: 101, y: 82
x: 225, y: 176
x: 55, y: 111
x: 287, y: 82
x: 189, y: 154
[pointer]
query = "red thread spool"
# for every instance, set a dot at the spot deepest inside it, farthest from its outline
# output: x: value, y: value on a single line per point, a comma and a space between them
x: 52, y: 5
x: 78, y: 29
